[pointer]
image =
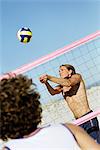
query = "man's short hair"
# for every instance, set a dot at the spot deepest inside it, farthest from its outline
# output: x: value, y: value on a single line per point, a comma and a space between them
x: 19, y: 106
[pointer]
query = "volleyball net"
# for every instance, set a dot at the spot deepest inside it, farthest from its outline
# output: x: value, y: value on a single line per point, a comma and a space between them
x: 84, y: 55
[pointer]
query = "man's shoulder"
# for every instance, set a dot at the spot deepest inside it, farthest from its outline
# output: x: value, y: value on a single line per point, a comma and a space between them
x: 77, y: 75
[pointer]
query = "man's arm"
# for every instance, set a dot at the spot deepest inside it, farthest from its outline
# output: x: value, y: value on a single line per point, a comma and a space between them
x: 83, y: 139
x: 76, y: 78
x: 52, y: 91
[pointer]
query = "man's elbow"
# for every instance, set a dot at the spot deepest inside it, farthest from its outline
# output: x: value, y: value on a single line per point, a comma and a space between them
x: 53, y: 93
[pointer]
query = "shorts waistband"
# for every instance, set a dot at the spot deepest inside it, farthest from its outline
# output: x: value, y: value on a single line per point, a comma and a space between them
x: 87, y: 113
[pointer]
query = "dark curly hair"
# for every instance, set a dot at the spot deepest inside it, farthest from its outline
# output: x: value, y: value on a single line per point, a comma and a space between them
x: 20, y: 108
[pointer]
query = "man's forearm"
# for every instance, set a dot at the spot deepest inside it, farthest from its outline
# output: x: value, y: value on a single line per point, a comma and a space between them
x: 50, y: 89
x: 84, y: 140
x: 61, y: 81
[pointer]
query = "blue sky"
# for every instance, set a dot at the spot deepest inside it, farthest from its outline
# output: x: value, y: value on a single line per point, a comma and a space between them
x: 54, y: 24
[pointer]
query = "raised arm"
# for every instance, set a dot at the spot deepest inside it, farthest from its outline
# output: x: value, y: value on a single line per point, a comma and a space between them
x: 76, y: 78
x: 83, y: 139
x: 52, y: 91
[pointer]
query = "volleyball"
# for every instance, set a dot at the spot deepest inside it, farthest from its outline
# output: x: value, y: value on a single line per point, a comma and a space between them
x: 24, y: 35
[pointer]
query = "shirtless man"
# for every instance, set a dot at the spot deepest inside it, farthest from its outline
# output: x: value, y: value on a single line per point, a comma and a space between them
x: 72, y: 87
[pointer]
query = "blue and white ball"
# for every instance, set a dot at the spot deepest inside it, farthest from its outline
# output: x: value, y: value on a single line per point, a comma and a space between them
x: 24, y: 35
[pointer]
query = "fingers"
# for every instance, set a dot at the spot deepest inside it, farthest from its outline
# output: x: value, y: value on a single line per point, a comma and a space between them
x: 43, y: 78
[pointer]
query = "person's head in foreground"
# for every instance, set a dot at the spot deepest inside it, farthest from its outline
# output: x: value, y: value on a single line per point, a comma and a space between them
x: 20, y: 107
x: 20, y: 116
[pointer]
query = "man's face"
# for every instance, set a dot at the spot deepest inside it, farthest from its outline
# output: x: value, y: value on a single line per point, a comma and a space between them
x: 64, y: 72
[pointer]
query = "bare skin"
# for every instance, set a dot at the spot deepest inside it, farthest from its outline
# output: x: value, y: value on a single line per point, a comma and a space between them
x: 84, y: 141
x: 72, y: 88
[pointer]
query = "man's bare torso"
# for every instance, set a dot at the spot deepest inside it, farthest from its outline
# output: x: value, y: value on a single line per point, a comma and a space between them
x: 76, y: 99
